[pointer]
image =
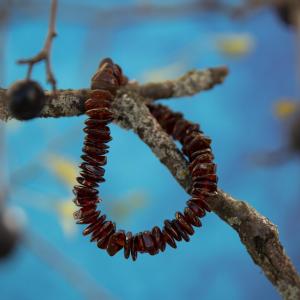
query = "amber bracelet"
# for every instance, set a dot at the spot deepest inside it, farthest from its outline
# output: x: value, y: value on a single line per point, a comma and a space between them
x: 196, y: 147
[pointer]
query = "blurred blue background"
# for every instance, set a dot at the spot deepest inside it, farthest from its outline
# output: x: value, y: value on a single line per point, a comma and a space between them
x: 238, y: 115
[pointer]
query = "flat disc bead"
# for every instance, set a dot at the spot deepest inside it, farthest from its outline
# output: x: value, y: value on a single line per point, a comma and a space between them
x: 191, y: 217
x: 140, y: 243
x: 101, y: 95
x: 86, y: 201
x: 172, y: 231
x: 96, y: 103
x: 100, y: 160
x: 201, y: 201
x: 89, y: 219
x: 116, y: 242
x: 94, y: 123
x: 97, y: 171
x: 91, y: 177
x: 92, y: 227
x: 84, y: 212
x: 158, y: 238
x: 199, y: 211
x: 198, y: 153
x: 184, y: 224
x: 134, y: 248
x: 107, y: 229
x: 101, y: 114
x: 128, y: 244
x: 168, y: 239
x: 84, y: 192
x: 180, y: 231
x: 149, y: 243
x: 87, y: 183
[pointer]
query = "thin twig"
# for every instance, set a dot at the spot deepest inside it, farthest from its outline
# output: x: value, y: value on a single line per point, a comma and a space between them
x: 45, y: 53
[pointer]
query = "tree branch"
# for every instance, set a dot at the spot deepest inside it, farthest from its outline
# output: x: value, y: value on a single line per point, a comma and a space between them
x: 256, y: 232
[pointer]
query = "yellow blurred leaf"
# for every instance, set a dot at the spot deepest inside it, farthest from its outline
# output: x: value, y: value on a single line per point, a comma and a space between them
x: 285, y: 108
x: 64, y: 169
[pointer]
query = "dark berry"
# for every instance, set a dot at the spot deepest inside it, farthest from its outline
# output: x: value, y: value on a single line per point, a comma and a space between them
x: 26, y: 99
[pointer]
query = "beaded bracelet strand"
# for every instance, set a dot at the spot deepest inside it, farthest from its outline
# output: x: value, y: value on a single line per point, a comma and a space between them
x: 196, y: 147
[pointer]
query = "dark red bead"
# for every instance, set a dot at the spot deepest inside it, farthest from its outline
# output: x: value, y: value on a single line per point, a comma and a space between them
x: 84, y: 192
x: 134, y: 248
x: 101, y: 95
x: 201, y: 202
x: 168, y: 238
x: 149, y: 243
x: 200, y: 212
x: 196, y: 154
x: 179, y: 131
x: 191, y: 217
x: 94, y: 226
x: 95, y: 123
x: 90, y: 219
x: 84, y: 212
x: 97, y: 171
x: 96, y: 103
x: 93, y: 151
x: 91, y: 177
x: 103, y: 114
x: 87, y: 183
x: 169, y: 228
x: 180, y: 231
x: 100, y: 160
x: 184, y: 224
x: 140, y: 243
x: 158, y: 239
x: 107, y: 229
x: 116, y: 242
x: 128, y: 244
x: 203, y: 169
x: 200, y: 159
x: 86, y: 201
x: 209, y: 177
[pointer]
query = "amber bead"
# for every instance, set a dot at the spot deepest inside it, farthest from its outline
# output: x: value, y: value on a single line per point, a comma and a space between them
x: 128, y: 244
x: 101, y: 94
x: 169, y: 228
x: 199, y: 211
x: 158, y: 239
x: 140, y: 247
x: 203, y: 169
x: 196, y: 154
x: 94, y: 123
x: 184, y: 224
x: 106, y: 82
x: 90, y: 219
x: 106, y: 230
x: 149, y: 243
x: 94, y: 226
x: 84, y: 192
x: 192, y: 127
x: 201, y: 202
x: 191, y: 217
x: 209, y: 177
x: 97, y: 171
x: 102, y: 114
x: 180, y: 231
x: 200, y: 159
x: 96, y: 103
x: 204, y: 186
x: 197, y: 143
x: 84, y: 212
x: 86, y: 201
x: 116, y: 242
x: 100, y: 160
x: 168, y: 239
x: 87, y: 183
x: 93, y: 151
x: 179, y: 130
x: 134, y: 252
